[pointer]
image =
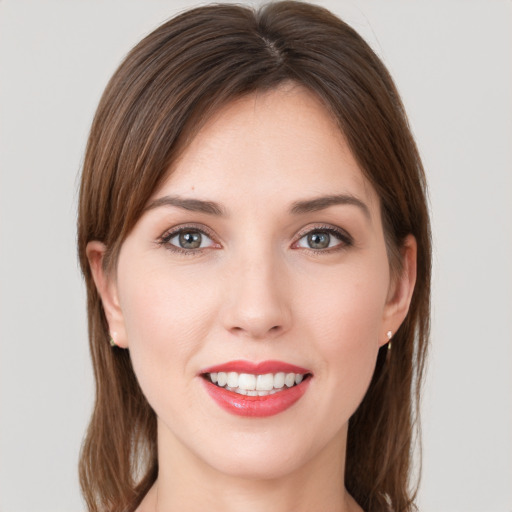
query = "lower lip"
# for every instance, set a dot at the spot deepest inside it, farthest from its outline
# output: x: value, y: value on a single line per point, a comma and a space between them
x: 256, y: 406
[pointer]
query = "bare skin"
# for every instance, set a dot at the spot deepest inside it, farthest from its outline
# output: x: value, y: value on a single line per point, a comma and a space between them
x: 290, y: 265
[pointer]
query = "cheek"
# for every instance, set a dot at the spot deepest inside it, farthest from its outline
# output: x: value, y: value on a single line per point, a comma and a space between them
x: 166, y: 321
x: 349, y: 304
x: 351, y: 326
x: 347, y: 318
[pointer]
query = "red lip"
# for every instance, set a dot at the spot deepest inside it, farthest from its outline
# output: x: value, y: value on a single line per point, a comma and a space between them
x: 256, y: 406
x: 256, y: 368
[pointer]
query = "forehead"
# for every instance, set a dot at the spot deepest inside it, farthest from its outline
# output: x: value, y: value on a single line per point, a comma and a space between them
x: 279, y: 143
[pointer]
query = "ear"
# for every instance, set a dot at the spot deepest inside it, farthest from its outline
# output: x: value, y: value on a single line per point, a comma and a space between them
x: 401, y: 290
x: 107, y: 289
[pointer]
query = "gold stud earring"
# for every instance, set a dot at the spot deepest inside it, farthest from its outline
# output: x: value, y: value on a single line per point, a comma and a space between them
x: 112, y: 341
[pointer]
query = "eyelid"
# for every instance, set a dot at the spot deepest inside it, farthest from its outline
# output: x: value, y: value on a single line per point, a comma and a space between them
x: 345, y: 238
x: 170, y: 233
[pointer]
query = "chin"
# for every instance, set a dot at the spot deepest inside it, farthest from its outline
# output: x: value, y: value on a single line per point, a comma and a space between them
x: 265, y: 456
x: 263, y: 465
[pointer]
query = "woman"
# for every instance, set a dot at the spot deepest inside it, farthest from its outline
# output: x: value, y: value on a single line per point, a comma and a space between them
x: 253, y: 232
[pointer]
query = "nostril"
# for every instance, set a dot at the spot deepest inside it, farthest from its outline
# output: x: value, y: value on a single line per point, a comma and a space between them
x: 255, y: 332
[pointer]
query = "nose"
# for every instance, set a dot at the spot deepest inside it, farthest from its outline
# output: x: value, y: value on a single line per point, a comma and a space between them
x: 257, y: 305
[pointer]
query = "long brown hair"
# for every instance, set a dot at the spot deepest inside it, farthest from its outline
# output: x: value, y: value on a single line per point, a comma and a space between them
x: 170, y: 83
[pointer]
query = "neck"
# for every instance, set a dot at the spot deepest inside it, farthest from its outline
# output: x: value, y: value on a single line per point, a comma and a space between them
x: 188, y: 484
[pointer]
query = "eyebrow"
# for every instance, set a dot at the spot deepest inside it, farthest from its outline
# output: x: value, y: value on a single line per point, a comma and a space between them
x: 193, y: 205
x: 297, y: 208
x: 323, y: 202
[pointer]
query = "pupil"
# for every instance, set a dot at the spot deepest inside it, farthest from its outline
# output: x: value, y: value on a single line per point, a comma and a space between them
x: 318, y: 240
x: 190, y: 240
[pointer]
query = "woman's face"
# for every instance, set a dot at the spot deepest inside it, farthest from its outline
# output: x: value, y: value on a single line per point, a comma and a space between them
x: 262, y: 253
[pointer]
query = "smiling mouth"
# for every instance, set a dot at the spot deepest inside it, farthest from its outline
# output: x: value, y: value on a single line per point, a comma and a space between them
x: 249, y: 384
x: 256, y: 389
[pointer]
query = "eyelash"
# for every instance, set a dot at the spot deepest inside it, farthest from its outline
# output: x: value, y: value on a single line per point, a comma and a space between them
x: 165, y: 239
x: 345, y: 239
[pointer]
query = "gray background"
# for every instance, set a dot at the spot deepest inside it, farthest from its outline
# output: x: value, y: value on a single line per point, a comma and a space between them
x: 452, y: 61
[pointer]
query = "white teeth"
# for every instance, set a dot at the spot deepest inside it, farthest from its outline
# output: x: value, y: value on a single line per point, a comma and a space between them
x: 265, y: 382
x: 233, y: 379
x: 279, y: 380
x: 222, y: 379
x: 247, y: 381
x: 255, y: 385
x: 289, y: 380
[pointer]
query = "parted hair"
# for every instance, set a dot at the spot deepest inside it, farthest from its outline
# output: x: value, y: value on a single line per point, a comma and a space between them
x: 154, y: 104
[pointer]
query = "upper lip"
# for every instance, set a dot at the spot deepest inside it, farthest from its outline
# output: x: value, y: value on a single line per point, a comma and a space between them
x: 254, y: 368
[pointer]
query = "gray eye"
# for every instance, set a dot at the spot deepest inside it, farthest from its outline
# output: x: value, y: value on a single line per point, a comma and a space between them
x: 319, y: 240
x: 190, y: 239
